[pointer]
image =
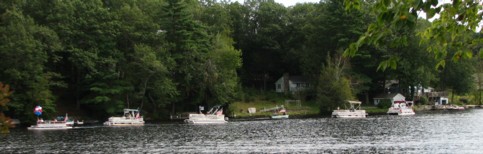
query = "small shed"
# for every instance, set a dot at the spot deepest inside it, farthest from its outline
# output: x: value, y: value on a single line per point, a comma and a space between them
x: 291, y: 84
x: 441, y: 100
x: 393, y: 97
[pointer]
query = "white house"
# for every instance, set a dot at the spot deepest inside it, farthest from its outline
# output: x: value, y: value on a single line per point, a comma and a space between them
x: 291, y: 84
x: 393, y: 97
x: 420, y: 90
x: 441, y: 100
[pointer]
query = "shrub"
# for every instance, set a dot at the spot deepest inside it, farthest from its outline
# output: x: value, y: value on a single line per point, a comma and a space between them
x: 424, y: 101
x: 384, y: 104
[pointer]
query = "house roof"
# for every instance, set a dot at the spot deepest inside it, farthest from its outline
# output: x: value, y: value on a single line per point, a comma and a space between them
x: 297, y: 79
x: 386, y: 96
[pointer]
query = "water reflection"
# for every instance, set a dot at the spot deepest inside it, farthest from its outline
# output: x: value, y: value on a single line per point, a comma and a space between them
x: 457, y: 132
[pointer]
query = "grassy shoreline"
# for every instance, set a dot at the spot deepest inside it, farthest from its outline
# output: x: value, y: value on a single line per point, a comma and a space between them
x: 239, y: 110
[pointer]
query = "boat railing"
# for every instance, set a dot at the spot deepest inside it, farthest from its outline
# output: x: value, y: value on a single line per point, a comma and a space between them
x: 50, y: 122
x: 214, y: 110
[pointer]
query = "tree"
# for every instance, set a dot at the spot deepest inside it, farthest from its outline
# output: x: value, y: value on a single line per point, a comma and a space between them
x: 458, y: 76
x: 333, y: 89
x: 146, y: 63
x: 25, y: 49
x: 90, y: 59
x: 5, y: 122
x: 330, y: 31
x: 259, y: 30
x: 188, y: 44
x: 449, y: 30
x: 151, y: 79
x: 221, y: 79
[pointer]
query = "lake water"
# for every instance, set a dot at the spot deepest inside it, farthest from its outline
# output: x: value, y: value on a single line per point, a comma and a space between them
x: 436, y: 132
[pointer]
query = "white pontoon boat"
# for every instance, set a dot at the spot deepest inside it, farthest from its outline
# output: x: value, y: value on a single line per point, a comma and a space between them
x: 57, y: 124
x: 401, y: 108
x: 131, y: 118
x: 353, y: 112
x: 213, y: 116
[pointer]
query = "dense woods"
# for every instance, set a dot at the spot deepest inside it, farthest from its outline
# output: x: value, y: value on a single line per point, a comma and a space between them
x: 168, y: 56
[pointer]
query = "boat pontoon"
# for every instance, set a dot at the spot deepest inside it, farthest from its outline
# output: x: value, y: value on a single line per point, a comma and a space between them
x: 353, y: 112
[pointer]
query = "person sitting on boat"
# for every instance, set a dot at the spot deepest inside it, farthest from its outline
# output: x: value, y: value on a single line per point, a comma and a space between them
x: 283, y: 111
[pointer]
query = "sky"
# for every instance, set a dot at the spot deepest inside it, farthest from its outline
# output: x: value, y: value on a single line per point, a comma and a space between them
x: 287, y: 3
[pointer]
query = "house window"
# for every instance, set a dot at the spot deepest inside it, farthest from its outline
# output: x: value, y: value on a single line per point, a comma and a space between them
x: 298, y: 85
x: 279, y: 86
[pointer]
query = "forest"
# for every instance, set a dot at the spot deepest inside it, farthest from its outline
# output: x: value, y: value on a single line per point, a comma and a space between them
x: 169, y: 56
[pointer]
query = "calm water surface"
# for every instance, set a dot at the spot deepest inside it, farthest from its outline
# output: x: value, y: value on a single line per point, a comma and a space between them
x: 442, y: 132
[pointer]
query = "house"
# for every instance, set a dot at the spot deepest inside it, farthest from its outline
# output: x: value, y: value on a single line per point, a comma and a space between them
x: 438, y: 97
x: 421, y: 90
x: 440, y: 100
x: 393, y: 97
x: 291, y: 84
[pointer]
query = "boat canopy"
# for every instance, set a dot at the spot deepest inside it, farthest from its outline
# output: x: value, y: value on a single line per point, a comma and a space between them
x: 130, y: 110
x: 354, y: 102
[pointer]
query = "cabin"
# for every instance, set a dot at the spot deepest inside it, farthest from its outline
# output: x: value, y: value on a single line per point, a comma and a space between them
x: 393, y: 97
x: 291, y: 84
x: 440, y: 100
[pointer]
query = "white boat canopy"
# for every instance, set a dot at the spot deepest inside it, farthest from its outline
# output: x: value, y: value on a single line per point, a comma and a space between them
x: 354, y: 102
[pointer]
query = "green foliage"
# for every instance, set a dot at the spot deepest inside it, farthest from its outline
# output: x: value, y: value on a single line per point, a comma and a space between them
x: 384, y: 104
x: 455, y: 19
x: 170, y: 55
x: 220, y: 75
x: 333, y: 89
x: 5, y: 122
x: 458, y: 76
x: 24, y: 53
x: 424, y: 101
x: 240, y: 109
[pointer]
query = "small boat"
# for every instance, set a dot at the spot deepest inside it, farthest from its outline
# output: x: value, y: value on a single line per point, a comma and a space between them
x: 78, y: 122
x: 57, y: 124
x: 401, y: 108
x: 456, y: 107
x: 213, y: 116
x: 450, y: 107
x: 131, y: 118
x: 353, y: 112
x: 281, y: 114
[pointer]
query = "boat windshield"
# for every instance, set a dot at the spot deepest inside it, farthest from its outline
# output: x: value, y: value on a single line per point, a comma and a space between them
x: 355, y: 105
x: 131, y: 112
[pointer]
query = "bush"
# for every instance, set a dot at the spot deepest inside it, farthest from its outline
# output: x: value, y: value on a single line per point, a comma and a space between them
x: 424, y: 101
x: 384, y: 104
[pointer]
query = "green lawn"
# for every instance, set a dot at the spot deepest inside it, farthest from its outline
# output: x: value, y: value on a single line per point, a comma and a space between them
x: 240, y: 109
x: 372, y: 110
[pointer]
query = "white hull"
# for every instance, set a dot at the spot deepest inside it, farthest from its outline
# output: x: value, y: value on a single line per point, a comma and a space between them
x: 279, y: 116
x: 205, y: 119
x: 131, y: 118
x: 52, y: 125
x: 124, y: 121
x: 402, y: 112
x: 49, y: 128
x: 349, y: 113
